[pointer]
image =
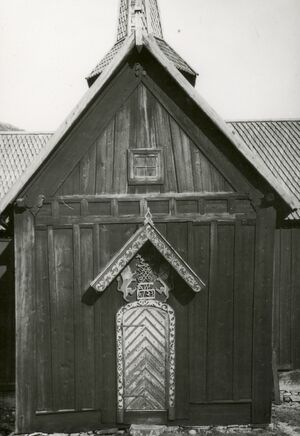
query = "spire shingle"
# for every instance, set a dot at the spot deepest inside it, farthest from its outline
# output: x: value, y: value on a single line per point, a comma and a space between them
x: 151, y: 14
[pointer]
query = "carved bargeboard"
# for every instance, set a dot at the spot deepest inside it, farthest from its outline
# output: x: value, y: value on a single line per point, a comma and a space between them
x: 146, y: 358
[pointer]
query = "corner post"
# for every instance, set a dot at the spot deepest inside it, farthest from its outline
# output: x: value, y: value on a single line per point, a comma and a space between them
x: 262, y: 316
x: 25, y: 321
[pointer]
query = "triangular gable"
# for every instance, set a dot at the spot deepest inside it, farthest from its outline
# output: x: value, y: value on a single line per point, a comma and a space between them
x: 150, y: 43
x: 252, y: 157
x: 146, y: 233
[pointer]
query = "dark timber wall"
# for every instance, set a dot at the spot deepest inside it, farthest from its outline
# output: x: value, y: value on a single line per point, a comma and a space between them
x: 7, y: 316
x: 287, y: 297
x: 206, y: 208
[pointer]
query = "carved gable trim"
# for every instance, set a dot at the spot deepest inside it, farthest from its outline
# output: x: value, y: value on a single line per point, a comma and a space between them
x: 146, y: 233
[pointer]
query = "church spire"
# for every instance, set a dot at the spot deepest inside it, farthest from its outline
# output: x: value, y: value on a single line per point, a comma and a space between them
x: 150, y: 13
x: 141, y: 15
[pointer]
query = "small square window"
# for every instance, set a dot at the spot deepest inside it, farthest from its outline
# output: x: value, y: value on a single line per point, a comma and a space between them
x: 145, y: 166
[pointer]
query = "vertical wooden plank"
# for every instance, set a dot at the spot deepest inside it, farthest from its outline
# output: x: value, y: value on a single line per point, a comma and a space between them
x: 98, y: 263
x: 244, y: 246
x: 285, y: 292
x: 196, y: 164
x: 296, y: 297
x: 71, y: 184
x: 276, y: 295
x: 112, y: 237
x: 84, y: 319
x: 133, y: 103
x: 62, y: 319
x: 221, y: 316
x: 7, y: 315
x: 150, y: 107
x: 164, y: 141
x: 198, y: 315
x: 206, y: 174
x: 262, y: 318
x: 88, y: 172
x: 105, y: 160
x: 43, y: 339
x: 183, y: 165
x: 143, y: 122
x: 87, y: 320
x: 179, y: 298
x: 25, y: 314
x: 121, y: 146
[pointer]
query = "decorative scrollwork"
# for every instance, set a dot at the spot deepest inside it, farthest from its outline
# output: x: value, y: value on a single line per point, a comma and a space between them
x: 147, y: 233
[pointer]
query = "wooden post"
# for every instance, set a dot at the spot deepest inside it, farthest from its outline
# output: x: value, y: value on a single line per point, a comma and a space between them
x: 25, y: 320
x: 262, y: 317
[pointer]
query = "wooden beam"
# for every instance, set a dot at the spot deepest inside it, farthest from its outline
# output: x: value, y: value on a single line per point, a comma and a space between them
x: 262, y: 316
x: 25, y: 321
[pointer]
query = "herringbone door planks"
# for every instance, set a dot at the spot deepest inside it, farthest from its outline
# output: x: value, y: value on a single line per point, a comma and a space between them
x: 145, y: 333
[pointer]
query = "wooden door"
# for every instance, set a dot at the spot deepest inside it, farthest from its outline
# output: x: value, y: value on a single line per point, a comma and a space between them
x: 146, y: 358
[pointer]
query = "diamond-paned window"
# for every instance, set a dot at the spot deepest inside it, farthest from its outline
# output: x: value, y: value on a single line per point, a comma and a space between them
x: 145, y: 165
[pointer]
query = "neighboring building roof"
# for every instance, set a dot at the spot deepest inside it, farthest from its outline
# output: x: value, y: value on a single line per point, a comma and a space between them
x: 250, y: 153
x: 8, y: 127
x: 278, y: 145
x: 17, y: 152
x: 151, y: 25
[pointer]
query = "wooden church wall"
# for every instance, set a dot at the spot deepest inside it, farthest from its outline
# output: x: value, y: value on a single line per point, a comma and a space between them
x: 286, y: 322
x: 75, y: 357
x: 7, y: 316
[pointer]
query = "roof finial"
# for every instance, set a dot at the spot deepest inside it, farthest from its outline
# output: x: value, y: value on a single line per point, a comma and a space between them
x: 148, y: 217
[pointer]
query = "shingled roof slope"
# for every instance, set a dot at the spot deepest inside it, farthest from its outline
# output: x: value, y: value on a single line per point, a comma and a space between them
x: 278, y: 145
x: 168, y: 51
x: 17, y: 152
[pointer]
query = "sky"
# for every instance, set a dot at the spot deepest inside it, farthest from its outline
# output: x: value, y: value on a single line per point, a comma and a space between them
x: 247, y: 54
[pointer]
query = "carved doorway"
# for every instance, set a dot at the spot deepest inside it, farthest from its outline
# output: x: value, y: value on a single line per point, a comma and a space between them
x: 146, y: 361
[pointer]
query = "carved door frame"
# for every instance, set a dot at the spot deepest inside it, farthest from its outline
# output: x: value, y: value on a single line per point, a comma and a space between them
x: 171, y: 355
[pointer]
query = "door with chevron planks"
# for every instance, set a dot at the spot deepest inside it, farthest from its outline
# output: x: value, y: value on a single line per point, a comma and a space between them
x: 145, y: 359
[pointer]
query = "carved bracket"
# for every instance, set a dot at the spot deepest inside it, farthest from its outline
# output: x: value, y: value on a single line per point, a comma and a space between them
x: 32, y: 205
x: 139, y: 71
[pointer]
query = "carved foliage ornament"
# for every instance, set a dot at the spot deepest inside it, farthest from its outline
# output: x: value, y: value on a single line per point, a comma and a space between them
x: 141, y: 278
x: 146, y: 233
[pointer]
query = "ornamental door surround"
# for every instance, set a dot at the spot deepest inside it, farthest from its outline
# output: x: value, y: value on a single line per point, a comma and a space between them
x: 145, y: 326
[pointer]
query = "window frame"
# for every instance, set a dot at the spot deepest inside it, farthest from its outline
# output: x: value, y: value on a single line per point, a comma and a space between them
x: 145, y: 180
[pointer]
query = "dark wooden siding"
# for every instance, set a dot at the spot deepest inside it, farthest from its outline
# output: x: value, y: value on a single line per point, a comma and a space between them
x: 78, y: 372
x: 287, y: 297
x: 7, y: 316
x: 142, y: 122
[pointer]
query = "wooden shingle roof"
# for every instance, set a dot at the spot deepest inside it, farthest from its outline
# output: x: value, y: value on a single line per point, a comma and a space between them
x: 278, y: 145
x: 17, y: 152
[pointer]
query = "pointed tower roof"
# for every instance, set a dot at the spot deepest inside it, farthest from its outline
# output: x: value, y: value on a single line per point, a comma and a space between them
x: 149, y: 12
